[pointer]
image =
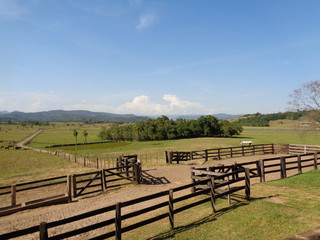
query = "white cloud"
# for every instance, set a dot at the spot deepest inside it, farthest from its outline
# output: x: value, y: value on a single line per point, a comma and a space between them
x: 143, y: 105
x: 145, y: 21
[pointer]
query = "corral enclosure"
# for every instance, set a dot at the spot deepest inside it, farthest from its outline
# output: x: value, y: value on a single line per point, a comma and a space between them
x: 257, y: 135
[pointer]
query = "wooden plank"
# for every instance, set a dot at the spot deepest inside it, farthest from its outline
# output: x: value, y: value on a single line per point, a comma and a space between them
x: 144, y: 210
x: 207, y: 172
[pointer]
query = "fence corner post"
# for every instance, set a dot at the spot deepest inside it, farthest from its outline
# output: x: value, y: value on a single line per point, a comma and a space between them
x: 247, y: 183
x: 43, y: 231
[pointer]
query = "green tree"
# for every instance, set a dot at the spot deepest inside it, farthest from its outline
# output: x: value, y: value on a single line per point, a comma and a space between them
x: 75, y: 134
x: 85, y: 134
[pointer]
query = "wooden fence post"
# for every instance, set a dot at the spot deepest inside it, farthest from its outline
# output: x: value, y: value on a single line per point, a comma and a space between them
x: 212, y: 194
x: 262, y: 176
x: 272, y: 147
x: 242, y: 150
x: 139, y: 172
x: 13, y: 195
x: 219, y: 154
x: 97, y: 159
x: 69, y: 187
x: 299, y: 163
x: 315, y: 160
x: 263, y: 149
x: 43, y: 231
x: 231, y: 154
x: 103, y: 180
x: 229, y: 198
x: 178, y: 157
x: 171, y: 210
x: 247, y: 182
x: 206, y: 154
x: 193, y: 188
x: 74, y: 185
x: 253, y: 150
x: 84, y: 161
x: 126, y: 167
x: 166, y: 154
x: 283, y: 167
x: 118, y: 221
x: 191, y: 155
x: 170, y: 157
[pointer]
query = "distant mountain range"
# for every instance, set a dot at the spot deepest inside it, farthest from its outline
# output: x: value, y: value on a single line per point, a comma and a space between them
x: 87, y: 116
x: 70, y: 116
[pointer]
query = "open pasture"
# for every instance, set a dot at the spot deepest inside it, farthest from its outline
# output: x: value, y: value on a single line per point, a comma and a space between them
x: 151, y: 153
x: 14, y: 133
x: 25, y: 165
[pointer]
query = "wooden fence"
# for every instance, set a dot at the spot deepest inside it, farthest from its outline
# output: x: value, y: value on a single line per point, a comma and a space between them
x: 302, y: 149
x: 27, y: 186
x: 263, y: 167
x: 218, y: 153
x: 216, y: 190
x: 76, y: 185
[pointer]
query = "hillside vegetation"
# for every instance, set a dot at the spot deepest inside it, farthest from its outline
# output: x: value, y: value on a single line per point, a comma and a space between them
x: 263, y: 120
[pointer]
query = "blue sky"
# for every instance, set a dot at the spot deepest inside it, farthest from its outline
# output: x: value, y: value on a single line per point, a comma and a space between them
x: 156, y: 57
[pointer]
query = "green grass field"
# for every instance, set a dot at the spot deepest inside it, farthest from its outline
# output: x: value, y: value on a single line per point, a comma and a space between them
x: 279, y: 209
x: 152, y: 152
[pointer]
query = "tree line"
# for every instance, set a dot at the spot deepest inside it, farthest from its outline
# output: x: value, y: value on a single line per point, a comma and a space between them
x: 163, y: 128
x: 262, y: 120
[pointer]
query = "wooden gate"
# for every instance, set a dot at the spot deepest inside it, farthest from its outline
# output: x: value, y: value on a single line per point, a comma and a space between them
x: 87, y: 183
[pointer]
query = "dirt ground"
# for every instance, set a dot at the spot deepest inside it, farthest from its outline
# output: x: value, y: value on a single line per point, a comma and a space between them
x: 156, y: 179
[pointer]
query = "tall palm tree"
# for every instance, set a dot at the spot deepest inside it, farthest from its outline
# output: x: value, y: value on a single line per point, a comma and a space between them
x: 85, y: 134
x: 75, y: 133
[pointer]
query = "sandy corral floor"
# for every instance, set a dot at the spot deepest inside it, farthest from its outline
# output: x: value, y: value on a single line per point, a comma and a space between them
x: 156, y: 179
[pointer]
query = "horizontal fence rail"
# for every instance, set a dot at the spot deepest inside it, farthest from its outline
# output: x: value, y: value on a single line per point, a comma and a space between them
x: 260, y: 168
x: 216, y: 190
x: 76, y: 185
x: 302, y: 149
x: 218, y: 153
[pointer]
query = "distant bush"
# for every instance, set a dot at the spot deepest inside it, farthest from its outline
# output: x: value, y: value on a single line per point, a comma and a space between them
x: 164, y: 128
